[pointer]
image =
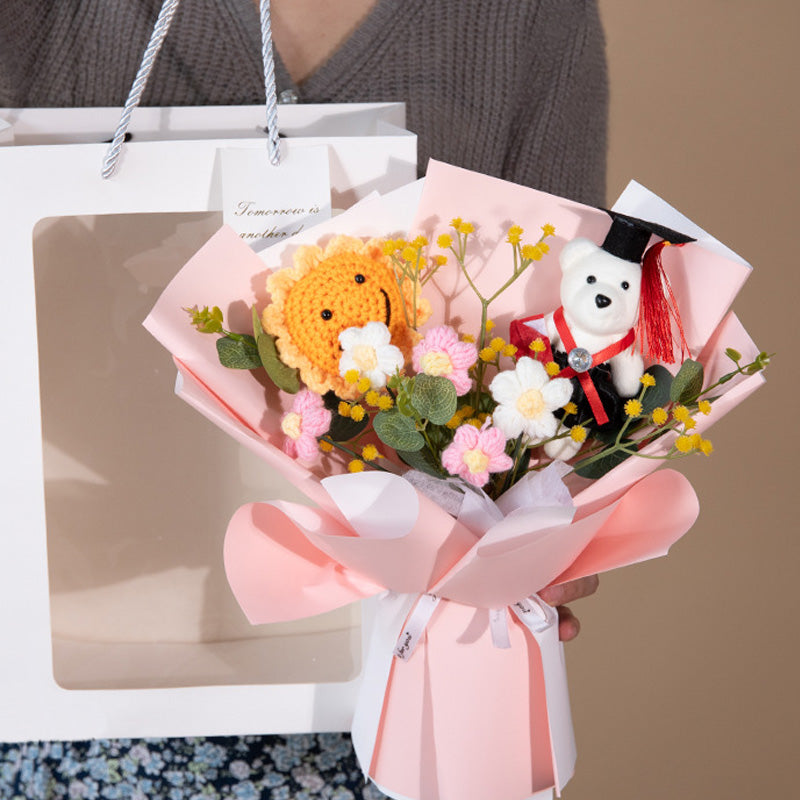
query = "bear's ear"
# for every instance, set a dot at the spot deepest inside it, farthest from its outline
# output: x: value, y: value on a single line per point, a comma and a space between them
x: 576, y: 251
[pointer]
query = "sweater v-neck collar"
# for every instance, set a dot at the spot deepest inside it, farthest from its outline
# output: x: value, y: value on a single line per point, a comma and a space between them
x: 376, y: 25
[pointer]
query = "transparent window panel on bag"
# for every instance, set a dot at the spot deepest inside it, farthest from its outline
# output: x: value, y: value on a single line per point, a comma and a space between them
x: 139, y: 487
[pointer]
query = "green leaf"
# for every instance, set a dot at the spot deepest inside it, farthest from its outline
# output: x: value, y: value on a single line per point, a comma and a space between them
x: 658, y: 395
x: 397, y: 431
x: 733, y: 355
x: 688, y: 383
x: 205, y: 320
x: 434, y: 397
x: 423, y: 461
x: 603, y: 464
x: 404, y: 405
x: 257, y: 329
x: 238, y: 354
x: 607, y: 434
x: 283, y: 376
x: 344, y: 428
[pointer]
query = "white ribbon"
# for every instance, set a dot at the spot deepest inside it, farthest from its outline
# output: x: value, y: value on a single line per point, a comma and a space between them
x: 534, y: 614
x: 541, y: 620
x: 421, y: 615
x: 415, y: 627
x: 498, y: 625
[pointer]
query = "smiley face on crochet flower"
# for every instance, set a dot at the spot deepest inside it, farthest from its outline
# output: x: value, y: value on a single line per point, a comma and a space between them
x: 347, y: 285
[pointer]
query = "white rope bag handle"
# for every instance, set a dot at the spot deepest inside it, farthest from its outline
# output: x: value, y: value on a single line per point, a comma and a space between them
x: 160, y: 29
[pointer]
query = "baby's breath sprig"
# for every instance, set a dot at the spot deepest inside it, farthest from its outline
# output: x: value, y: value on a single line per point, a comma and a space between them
x: 410, y: 264
x: 523, y: 256
x: 652, y: 423
x: 357, y: 459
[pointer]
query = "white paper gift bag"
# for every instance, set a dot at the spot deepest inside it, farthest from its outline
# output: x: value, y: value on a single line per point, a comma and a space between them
x: 369, y: 147
x: 116, y: 615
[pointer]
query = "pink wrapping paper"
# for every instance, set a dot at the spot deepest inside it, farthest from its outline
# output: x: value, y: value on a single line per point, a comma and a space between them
x: 427, y: 728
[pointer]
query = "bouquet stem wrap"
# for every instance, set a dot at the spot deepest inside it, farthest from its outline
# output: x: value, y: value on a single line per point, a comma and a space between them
x: 477, y: 705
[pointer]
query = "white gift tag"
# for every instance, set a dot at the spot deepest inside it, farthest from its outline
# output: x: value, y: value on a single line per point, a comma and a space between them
x: 266, y: 204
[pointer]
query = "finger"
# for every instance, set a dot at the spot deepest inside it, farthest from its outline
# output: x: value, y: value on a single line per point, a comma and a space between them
x: 569, y: 625
x: 572, y: 590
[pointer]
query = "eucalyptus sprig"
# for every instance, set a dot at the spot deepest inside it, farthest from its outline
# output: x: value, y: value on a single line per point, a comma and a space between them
x: 243, y: 351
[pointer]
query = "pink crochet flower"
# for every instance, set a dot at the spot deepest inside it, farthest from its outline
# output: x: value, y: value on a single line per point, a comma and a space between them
x: 308, y: 419
x: 441, y: 353
x: 474, y: 453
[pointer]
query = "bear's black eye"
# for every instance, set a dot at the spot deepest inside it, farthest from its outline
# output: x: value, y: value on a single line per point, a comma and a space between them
x: 360, y: 278
x: 625, y: 285
x: 326, y: 313
x: 591, y: 279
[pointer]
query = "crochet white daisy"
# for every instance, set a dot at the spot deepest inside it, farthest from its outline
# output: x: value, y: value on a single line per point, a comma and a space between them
x: 527, y: 398
x: 368, y: 351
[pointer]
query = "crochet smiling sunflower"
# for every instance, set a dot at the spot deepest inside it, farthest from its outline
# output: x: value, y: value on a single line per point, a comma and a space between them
x: 346, y: 285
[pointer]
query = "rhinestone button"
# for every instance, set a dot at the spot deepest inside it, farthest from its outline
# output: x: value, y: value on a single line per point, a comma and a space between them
x: 579, y: 359
x: 288, y: 96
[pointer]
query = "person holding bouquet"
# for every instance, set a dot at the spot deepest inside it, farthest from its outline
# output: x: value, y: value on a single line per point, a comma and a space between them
x: 514, y: 90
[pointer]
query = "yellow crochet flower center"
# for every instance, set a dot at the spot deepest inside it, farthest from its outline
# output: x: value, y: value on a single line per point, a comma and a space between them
x: 436, y: 363
x: 476, y: 461
x: 530, y: 403
x: 365, y: 357
x: 291, y: 425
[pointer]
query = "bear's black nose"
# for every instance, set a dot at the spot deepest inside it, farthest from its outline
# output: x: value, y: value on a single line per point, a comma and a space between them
x: 601, y: 301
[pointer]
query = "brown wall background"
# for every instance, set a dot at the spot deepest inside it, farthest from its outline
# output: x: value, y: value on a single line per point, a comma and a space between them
x: 684, y: 680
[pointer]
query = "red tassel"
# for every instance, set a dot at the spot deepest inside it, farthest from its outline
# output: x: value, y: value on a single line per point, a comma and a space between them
x: 657, y: 310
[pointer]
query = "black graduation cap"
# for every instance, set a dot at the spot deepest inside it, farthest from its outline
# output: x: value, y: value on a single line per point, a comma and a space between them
x: 627, y: 237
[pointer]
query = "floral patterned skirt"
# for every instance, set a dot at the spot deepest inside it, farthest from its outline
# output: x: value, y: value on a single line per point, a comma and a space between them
x: 301, y: 767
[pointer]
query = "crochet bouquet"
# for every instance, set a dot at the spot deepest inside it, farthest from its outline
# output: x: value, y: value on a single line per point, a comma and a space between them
x: 474, y: 413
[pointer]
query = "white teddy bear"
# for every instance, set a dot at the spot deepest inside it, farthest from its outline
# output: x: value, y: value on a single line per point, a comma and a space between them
x: 600, y: 303
x: 617, y: 309
x: 600, y: 298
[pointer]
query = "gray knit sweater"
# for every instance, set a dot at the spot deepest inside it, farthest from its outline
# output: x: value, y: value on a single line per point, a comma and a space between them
x: 512, y: 88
